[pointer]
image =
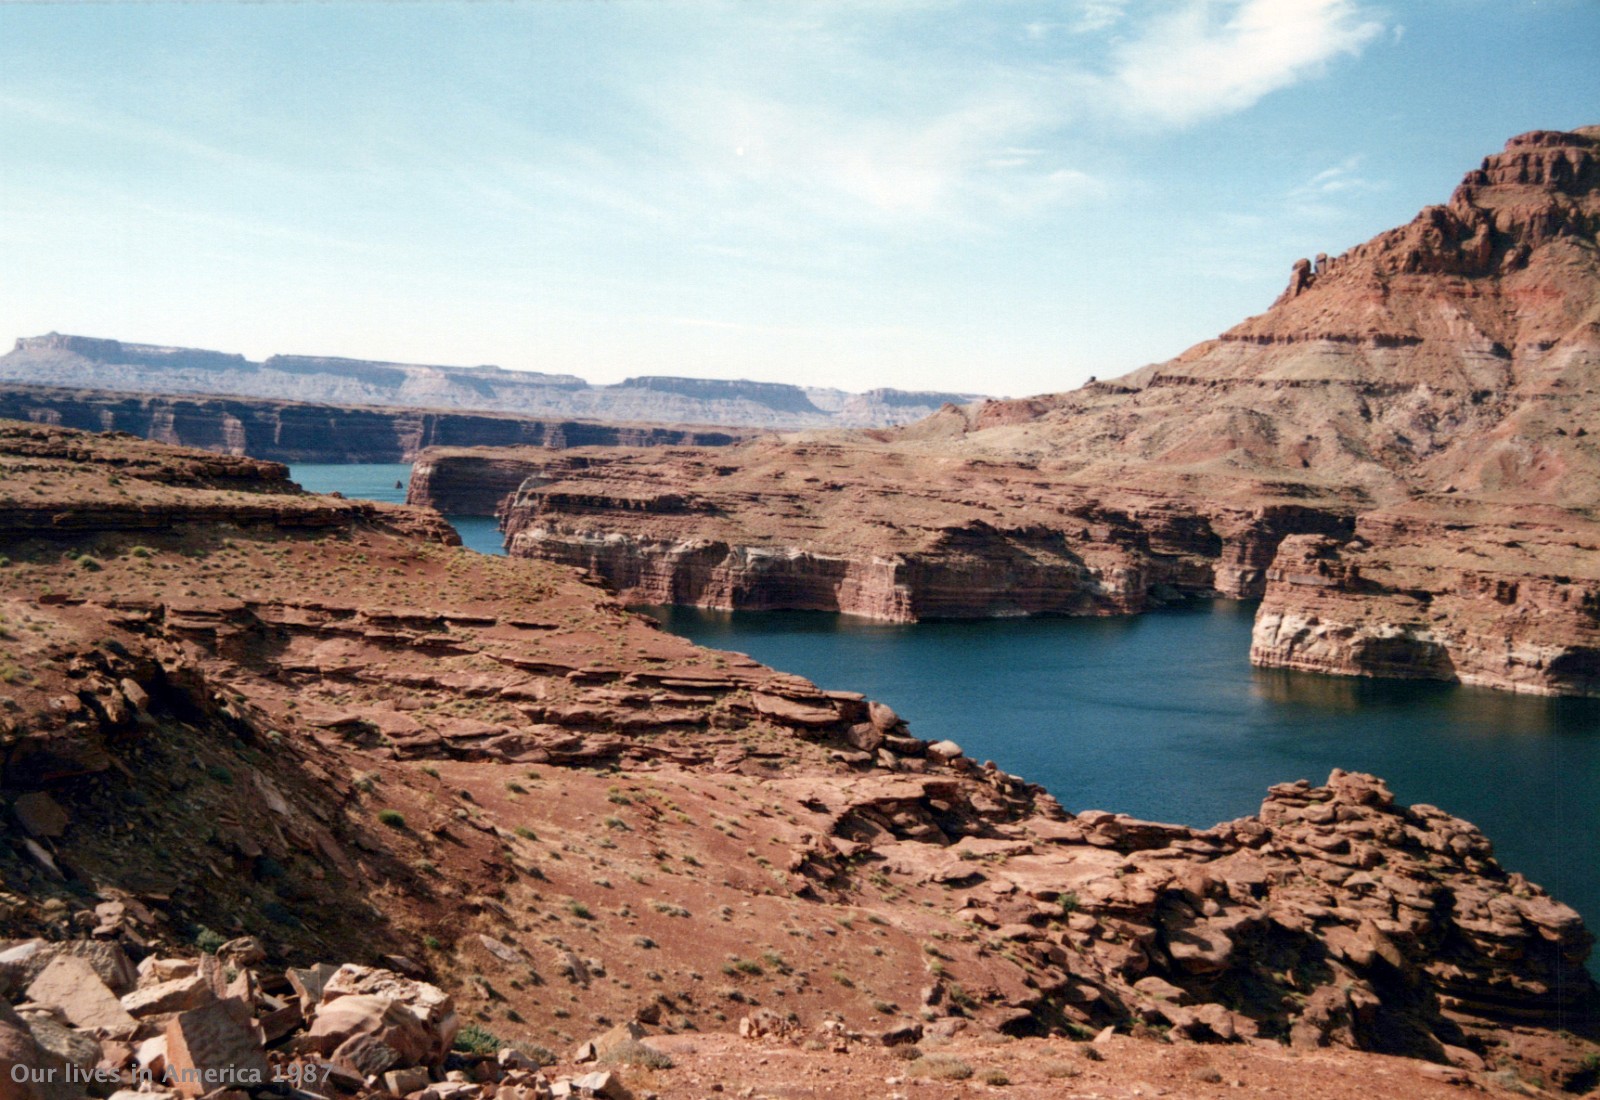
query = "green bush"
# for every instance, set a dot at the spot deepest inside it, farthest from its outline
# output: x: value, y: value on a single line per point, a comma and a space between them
x: 392, y: 818
x: 473, y: 1039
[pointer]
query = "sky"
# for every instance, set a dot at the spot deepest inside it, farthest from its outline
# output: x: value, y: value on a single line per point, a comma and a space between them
x: 1001, y: 197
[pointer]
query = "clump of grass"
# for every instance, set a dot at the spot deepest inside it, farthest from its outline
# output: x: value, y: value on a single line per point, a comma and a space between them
x: 843, y: 979
x: 543, y: 1056
x: 392, y: 818
x: 634, y: 1053
x: 89, y: 565
x: 1059, y: 1069
x: 940, y: 1067
x: 473, y: 1039
x: 580, y: 910
x: 668, y: 909
x: 526, y: 833
x: 994, y: 1077
x: 220, y: 774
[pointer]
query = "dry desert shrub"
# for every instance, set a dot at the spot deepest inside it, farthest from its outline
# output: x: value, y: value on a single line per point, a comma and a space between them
x: 940, y: 1067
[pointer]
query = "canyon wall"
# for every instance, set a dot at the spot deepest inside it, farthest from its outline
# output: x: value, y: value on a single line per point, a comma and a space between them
x: 287, y: 431
x: 732, y: 531
x: 1508, y: 602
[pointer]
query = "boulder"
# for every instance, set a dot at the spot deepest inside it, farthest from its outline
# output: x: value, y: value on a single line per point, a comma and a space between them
x: 24, y: 962
x: 79, y: 1048
x: 244, y: 951
x: 213, y: 1047
x: 154, y: 971
x: 603, y: 1083
x: 365, y: 1055
x: 380, y: 1018
x: 70, y: 983
x: 404, y: 1082
x: 415, y: 1018
x: 307, y: 983
x: 179, y: 995
x: 151, y: 1055
x: 27, y: 1070
x: 40, y: 814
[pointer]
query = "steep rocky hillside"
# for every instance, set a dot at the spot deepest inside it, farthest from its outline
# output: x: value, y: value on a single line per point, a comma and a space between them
x: 235, y: 710
x: 78, y: 361
x: 295, y: 431
x: 1419, y: 415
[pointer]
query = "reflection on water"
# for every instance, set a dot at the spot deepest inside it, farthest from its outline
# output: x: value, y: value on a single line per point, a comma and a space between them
x: 1161, y: 716
x: 387, y: 481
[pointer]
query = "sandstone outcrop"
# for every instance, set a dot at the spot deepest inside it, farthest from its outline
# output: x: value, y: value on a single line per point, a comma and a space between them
x: 887, y: 534
x: 1427, y: 401
x: 57, y: 360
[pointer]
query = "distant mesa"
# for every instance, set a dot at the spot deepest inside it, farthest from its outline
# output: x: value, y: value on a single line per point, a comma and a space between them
x: 80, y: 361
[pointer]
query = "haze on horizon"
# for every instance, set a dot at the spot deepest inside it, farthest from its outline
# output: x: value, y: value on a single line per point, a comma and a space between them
x: 997, y: 197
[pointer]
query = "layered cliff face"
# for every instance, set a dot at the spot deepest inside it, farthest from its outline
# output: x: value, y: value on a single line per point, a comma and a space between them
x: 1442, y: 373
x: 292, y: 431
x: 887, y: 532
x: 71, y: 361
x: 317, y: 722
x: 1509, y: 599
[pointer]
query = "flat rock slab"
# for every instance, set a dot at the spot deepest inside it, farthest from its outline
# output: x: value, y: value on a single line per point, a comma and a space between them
x: 178, y: 995
x: 71, y: 984
x: 211, y: 1048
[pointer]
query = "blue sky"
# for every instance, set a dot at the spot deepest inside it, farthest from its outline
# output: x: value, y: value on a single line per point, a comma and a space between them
x: 1000, y: 197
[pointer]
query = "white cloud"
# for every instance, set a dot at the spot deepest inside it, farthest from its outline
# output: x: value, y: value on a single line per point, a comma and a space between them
x: 1097, y: 15
x: 1215, y: 57
x: 1319, y: 196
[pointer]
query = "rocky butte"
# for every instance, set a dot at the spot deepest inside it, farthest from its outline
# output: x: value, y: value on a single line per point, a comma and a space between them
x: 1399, y: 458
x: 294, y: 785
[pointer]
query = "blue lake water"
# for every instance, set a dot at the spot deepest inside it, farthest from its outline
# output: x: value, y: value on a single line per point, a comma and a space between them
x: 1161, y: 715
x: 387, y: 482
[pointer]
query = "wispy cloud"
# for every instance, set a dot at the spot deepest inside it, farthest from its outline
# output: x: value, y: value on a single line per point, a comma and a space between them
x: 1207, y: 58
x: 1321, y: 195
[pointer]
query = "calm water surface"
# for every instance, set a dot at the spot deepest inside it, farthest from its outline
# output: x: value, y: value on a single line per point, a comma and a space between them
x: 1161, y: 716
x: 387, y: 482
